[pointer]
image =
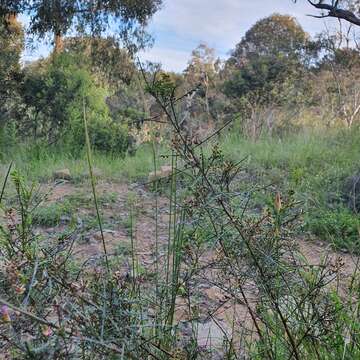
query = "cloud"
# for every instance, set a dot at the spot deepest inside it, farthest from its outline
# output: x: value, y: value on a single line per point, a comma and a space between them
x: 183, y: 24
x: 170, y: 59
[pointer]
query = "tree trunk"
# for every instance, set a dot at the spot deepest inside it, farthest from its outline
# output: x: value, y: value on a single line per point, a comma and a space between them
x: 11, y: 21
x: 207, y: 94
x: 11, y: 18
x: 58, y: 43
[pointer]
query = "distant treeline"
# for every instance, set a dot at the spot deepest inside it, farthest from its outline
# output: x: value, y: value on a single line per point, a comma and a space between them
x: 277, y: 80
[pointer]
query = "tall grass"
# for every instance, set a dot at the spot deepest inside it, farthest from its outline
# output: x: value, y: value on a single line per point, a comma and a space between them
x: 326, y: 151
x: 314, y: 165
x: 40, y: 166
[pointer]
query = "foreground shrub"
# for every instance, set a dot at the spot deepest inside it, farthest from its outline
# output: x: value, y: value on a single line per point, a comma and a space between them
x: 55, y: 308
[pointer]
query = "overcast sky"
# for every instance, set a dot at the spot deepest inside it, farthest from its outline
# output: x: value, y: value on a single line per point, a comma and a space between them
x: 182, y: 24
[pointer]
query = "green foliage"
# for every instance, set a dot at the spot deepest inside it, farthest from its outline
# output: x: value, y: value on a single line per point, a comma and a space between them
x: 56, y: 94
x: 105, y: 134
x: 58, y: 17
x: 52, y: 214
x: 51, y: 90
x: 276, y: 35
x: 108, y: 62
x: 126, y: 106
x: 263, y: 75
x: 314, y: 165
x: 342, y: 320
x: 339, y: 226
x: 38, y: 271
x: 11, y: 46
x: 162, y: 88
x: 8, y: 137
x: 270, y: 68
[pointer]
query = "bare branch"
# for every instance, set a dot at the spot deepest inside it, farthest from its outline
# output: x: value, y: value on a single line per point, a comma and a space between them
x: 335, y: 12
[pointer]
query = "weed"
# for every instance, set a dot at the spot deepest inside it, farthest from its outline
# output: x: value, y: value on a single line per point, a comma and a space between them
x: 53, y: 214
x: 339, y: 227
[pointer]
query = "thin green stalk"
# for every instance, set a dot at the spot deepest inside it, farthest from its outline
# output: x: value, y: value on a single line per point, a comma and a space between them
x: 177, y: 255
x: 170, y: 222
x: 103, y: 313
x: 156, y: 240
x: 170, y: 245
x: 5, y: 181
x: 133, y: 250
x: 174, y: 220
x: 93, y: 186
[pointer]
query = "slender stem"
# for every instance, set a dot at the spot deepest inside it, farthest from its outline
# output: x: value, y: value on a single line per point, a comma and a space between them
x: 93, y: 186
x: 5, y: 181
x: 133, y: 249
x: 156, y: 236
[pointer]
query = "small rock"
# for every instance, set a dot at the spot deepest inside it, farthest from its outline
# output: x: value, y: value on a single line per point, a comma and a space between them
x: 63, y: 174
x: 164, y: 172
x: 108, y: 235
x: 64, y: 219
x: 152, y: 177
x: 212, y: 332
x: 97, y: 173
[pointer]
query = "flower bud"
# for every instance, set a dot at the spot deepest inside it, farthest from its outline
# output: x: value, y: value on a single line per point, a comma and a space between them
x: 5, y: 314
x: 277, y: 203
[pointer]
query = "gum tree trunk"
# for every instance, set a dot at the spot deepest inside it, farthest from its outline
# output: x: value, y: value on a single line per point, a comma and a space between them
x: 58, y: 43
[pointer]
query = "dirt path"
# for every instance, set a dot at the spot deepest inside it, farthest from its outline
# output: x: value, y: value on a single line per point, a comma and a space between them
x: 219, y: 316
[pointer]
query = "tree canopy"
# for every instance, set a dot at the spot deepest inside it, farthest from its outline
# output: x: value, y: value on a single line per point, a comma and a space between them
x: 126, y: 18
x: 272, y: 52
x: 276, y: 35
x: 11, y: 46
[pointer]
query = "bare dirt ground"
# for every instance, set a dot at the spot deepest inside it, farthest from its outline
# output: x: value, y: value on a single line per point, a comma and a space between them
x: 219, y: 316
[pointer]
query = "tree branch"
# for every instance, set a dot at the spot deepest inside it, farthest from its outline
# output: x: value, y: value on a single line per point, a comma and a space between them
x: 334, y: 11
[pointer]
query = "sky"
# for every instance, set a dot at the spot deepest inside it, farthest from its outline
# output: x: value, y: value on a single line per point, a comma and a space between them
x: 181, y: 25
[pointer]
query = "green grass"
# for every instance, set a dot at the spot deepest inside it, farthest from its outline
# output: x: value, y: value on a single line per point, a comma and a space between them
x: 52, y: 214
x: 40, y: 166
x: 313, y: 165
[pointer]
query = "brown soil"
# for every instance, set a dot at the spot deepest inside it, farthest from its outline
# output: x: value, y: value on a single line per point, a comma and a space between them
x: 219, y: 316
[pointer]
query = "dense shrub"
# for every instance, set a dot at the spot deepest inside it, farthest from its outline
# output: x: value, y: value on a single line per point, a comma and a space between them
x: 340, y: 227
x: 11, y: 46
x: 57, y: 92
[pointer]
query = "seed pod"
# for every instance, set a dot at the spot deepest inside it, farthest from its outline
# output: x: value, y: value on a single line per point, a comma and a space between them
x: 278, y: 203
x: 5, y: 314
x: 19, y: 289
x: 46, y: 330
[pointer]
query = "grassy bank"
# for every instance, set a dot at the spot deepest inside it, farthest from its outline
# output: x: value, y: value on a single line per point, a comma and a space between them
x: 318, y: 168
x: 164, y: 254
x: 315, y: 166
x: 39, y: 165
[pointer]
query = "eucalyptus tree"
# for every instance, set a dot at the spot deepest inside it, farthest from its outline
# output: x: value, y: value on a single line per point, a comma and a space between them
x: 202, y: 70
x: 126, y: 19
x: 273, y: 50
x: 11, y: 46
x: 265, y: 71
x: 276, y: 35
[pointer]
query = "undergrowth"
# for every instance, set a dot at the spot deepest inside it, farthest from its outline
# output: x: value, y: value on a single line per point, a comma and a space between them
x: 234, y: 212
x: 314, y: 165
